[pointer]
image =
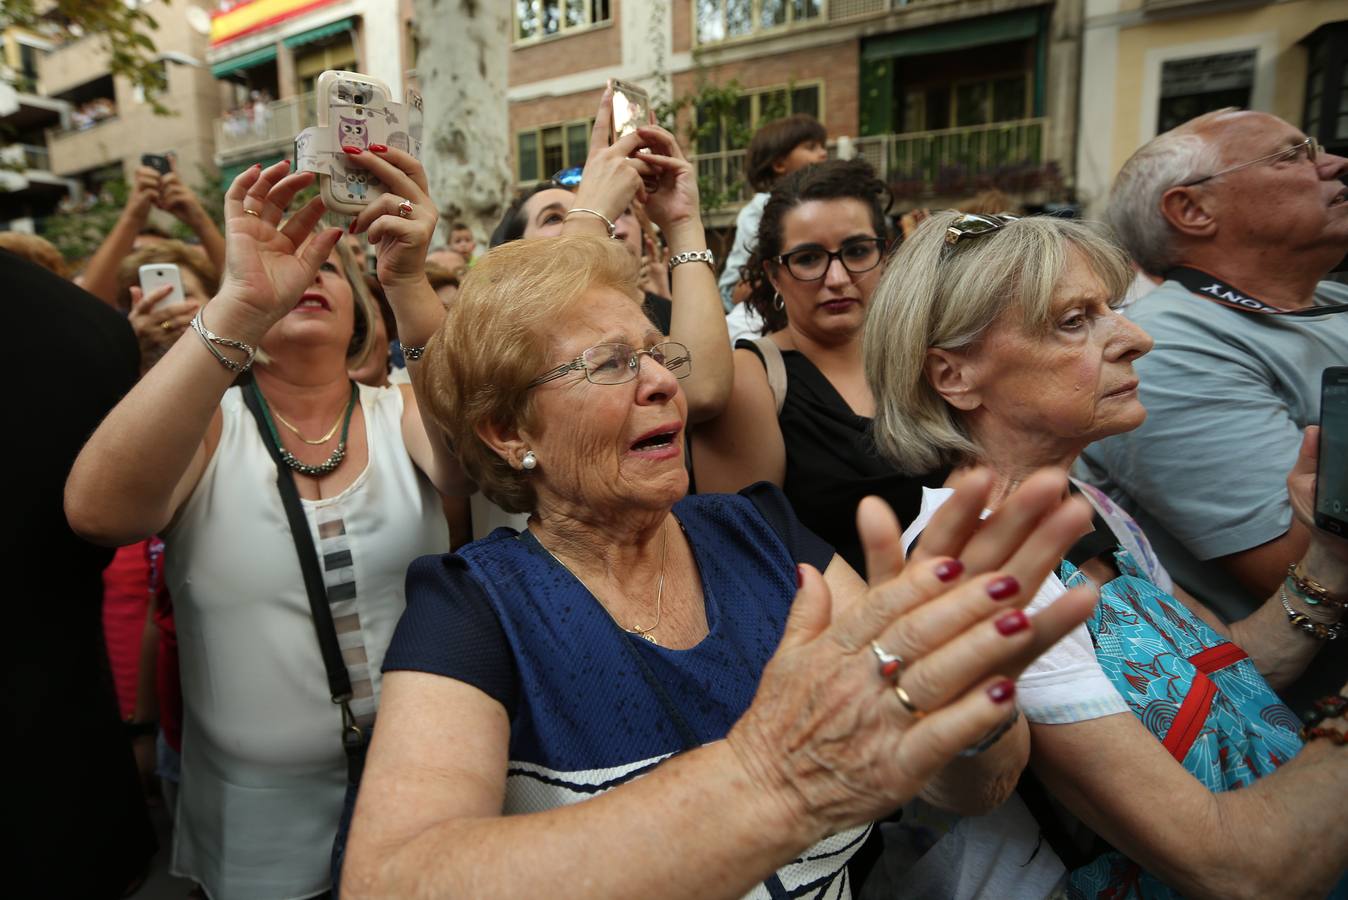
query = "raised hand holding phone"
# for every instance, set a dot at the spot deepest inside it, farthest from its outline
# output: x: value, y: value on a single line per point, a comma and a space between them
x: 269, y: 261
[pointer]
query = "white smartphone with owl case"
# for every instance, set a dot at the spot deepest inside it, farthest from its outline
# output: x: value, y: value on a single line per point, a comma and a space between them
x: 354, y: 110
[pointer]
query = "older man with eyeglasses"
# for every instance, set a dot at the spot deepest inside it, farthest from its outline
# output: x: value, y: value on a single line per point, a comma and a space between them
x: 1244, y: 216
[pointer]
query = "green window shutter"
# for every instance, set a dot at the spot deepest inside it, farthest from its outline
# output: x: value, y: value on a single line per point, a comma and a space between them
x: 877, y: 97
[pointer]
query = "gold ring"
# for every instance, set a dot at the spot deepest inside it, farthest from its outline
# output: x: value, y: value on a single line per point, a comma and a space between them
x: 167, y: 325
x: 907, y: 702
x: 252, y: 212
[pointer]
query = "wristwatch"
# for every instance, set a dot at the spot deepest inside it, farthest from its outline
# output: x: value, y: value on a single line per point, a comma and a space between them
x: 705, y: 256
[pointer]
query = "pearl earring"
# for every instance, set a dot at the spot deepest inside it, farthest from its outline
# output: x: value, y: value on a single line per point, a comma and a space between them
x: 530, y: 461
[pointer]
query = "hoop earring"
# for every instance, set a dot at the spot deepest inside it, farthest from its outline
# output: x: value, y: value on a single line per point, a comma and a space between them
x: 529, y: 462
x: 777, y: 302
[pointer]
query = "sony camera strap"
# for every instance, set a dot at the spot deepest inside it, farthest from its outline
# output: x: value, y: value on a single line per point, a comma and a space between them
x: 1210, y: 287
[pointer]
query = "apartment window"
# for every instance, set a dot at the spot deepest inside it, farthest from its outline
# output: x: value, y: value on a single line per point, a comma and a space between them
x: 719, y: 20
x: 1003, y: 98
x: 1325, y: 116
x: 535, y: 19
x: 543, y: 152
x: 1191, y: 87
x: 753, y: 109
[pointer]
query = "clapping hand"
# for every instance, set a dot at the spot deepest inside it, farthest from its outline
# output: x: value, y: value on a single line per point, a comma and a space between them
x: 843, y: 738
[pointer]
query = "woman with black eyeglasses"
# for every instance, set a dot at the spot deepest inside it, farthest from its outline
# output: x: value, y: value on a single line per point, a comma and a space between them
x: 800, y: 410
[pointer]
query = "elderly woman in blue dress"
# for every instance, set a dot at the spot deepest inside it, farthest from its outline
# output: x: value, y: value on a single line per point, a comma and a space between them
x: 997, y: 342
x: 622, y: 699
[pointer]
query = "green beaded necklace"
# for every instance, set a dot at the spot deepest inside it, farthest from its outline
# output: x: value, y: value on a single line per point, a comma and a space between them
x: 287, y: 457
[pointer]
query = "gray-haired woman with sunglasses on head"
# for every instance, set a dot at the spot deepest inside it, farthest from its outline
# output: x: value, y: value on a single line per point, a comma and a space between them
x: 800, y: 409
x: 542, y: 679
x: 997, y: 342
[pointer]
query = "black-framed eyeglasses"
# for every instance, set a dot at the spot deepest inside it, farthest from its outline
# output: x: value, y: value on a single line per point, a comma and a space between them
x: 615, y: 363
x: 972, y: 225
x: 1310, y: 146
x: 811, y: 263
x: 568, y: 178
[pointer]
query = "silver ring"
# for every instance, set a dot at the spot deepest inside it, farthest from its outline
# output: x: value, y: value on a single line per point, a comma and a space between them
x: 907, y: 702
x: 891, y: 664
x: 405, y: 209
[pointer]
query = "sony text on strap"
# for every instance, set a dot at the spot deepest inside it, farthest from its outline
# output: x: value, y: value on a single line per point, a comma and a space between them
x: 1210, y: 287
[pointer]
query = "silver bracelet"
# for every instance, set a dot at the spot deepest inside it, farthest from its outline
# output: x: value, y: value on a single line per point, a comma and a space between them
x: 412, y: 354
x: 1318, y: 630
x: 992, y: 736
x: 612, y: 229
x: 210, y: 339
x: 688, y: 256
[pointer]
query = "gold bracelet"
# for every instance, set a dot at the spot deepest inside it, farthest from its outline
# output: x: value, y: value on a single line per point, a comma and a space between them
x: 1312, y: 591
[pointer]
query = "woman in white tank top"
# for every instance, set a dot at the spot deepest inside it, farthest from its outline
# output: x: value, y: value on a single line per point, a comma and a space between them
x: 263, y: 766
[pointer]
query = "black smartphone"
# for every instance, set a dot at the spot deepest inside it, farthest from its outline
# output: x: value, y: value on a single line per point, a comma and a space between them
x: 157, y: 161
x: 1331, y: 477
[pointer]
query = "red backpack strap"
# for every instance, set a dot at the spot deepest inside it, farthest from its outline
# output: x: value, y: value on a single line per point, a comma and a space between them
x: 1193, y: 712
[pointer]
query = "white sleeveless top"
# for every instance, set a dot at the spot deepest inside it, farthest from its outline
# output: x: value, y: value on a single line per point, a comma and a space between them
x: 263, y: 772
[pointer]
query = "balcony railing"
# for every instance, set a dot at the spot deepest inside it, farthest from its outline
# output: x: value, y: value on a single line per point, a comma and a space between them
x: 974, y: 150
x: 255, y: 129
x: 920, y: 158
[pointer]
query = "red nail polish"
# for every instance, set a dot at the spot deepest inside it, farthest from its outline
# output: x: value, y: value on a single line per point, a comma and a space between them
x: 890, y: 669
x: 949, y: 570
x: 354, y: 151
x: 257, y: 165
x: 1002, y: 691
x: 351, y: 229
x: 1003, y: 587
x: 1012, y: 622
x: 378, y: 148
x: 800, y: 578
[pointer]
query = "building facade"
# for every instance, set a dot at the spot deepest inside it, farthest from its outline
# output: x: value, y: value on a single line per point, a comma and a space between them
x: 1151, y: 64
x: 944, y: 97
x: 76, y: 125
x: 266, y: 55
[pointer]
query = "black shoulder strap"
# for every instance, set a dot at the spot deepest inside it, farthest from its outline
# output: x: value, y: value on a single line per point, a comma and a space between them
x: 339, y: 679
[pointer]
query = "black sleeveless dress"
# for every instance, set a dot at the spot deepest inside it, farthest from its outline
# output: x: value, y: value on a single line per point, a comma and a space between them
x: 831, y: 461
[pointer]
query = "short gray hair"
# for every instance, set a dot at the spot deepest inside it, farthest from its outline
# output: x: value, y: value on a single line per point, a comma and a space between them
x: 933, y: 297
x: 1167, y: 160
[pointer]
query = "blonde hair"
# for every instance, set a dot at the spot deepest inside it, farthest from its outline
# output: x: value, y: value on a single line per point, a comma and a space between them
x: 365, y: 308
x: 169, y: 252
x: 34, y: 249
x: 495, y: 340
x: 936, y: 295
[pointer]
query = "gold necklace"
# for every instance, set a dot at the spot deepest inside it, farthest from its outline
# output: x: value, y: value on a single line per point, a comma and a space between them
x: 323, y: 440
x: 659, y: 590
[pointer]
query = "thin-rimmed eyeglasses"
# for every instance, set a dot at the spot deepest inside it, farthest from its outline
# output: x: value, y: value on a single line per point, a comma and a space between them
x: 617, y: 363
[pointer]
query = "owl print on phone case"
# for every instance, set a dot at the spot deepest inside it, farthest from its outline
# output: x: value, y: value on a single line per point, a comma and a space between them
x: 351, y: 186
x: 353, y: 132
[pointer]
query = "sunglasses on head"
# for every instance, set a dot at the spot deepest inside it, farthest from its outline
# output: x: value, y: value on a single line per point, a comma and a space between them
x: 568, y: 178
x: 972, y: 225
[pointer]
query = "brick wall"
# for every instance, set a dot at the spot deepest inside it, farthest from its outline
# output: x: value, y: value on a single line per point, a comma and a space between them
x: 553, y: 110
x: 681, y: 24
x: 552, y: 57
x: 836, y: 65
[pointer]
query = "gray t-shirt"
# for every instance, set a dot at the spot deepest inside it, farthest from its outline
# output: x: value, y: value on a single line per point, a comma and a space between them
x: 1228, y: 394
